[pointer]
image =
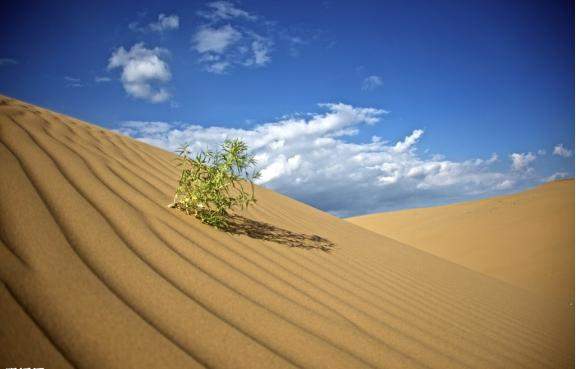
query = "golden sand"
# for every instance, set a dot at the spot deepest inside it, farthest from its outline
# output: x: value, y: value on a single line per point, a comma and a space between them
x: 526, y: 239
x: 96, y: 272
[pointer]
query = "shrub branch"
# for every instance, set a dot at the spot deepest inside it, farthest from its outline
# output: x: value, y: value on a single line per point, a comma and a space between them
x: 213, y: 183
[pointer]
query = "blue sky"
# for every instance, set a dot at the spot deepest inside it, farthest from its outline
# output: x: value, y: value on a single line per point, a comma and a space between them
x: 428, y: 102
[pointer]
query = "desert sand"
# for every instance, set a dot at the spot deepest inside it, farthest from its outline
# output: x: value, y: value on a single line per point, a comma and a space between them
x: 526, y: 239
x: 96, y: 272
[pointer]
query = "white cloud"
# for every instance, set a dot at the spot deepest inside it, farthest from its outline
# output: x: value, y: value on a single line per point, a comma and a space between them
x: 506, y: 185
x: 281, y: 166
x: 99, y: 79
x: 541, y: 152
x: 493, y: 158
x: 141, y: 69
x: 73, y: 82
x: 409, y: 141
x: 312, y: 158
x: 522, y: 161
x: 218, y: 67
x: 163, y: 24
x: 294, y: 43
x: 149, y: 129
x: 226, y: 40
x: 222, y: 47
x: 229, y: 37
x: 225, y: 10
x: 371, y: 83
x: 560, y: 150
x: 7, y: 61
x: 556, y: 176
x: 215, y: 40
x: 260, y: 51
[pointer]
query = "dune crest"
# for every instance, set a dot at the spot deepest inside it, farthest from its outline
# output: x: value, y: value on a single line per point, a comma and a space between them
x: 96, y: 272
x: 526, y: 239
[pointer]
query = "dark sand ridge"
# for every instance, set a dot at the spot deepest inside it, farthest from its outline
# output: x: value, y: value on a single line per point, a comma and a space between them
x: 97, y: 272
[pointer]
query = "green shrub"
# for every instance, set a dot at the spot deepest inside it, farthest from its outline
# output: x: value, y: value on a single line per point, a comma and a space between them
x: 213, y: 183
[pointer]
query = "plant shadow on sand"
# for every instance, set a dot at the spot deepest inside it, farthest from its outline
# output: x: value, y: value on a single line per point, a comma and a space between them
x: 240, y: 225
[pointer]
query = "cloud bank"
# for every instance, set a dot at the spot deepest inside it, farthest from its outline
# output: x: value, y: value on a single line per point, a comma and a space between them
x: 313, y: 158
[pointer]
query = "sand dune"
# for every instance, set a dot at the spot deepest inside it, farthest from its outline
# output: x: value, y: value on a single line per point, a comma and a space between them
x: 526, y: 239
x: 96, y: 272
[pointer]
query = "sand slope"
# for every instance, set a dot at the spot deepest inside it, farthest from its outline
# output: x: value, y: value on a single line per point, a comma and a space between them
x: 526, y: 239
x: 96, y: 272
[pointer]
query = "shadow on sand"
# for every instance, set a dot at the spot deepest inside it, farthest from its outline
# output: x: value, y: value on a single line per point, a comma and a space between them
x: 263, y: 231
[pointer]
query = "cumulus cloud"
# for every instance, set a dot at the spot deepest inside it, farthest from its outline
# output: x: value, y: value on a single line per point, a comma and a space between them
x: 142, y: 69
x: 371, y: 83
x: 163, y: 24
x: 313, y: 158
x: 522, y: 161
x: 560, y: 150
x: 409, y: 141
x: 7, y: 61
